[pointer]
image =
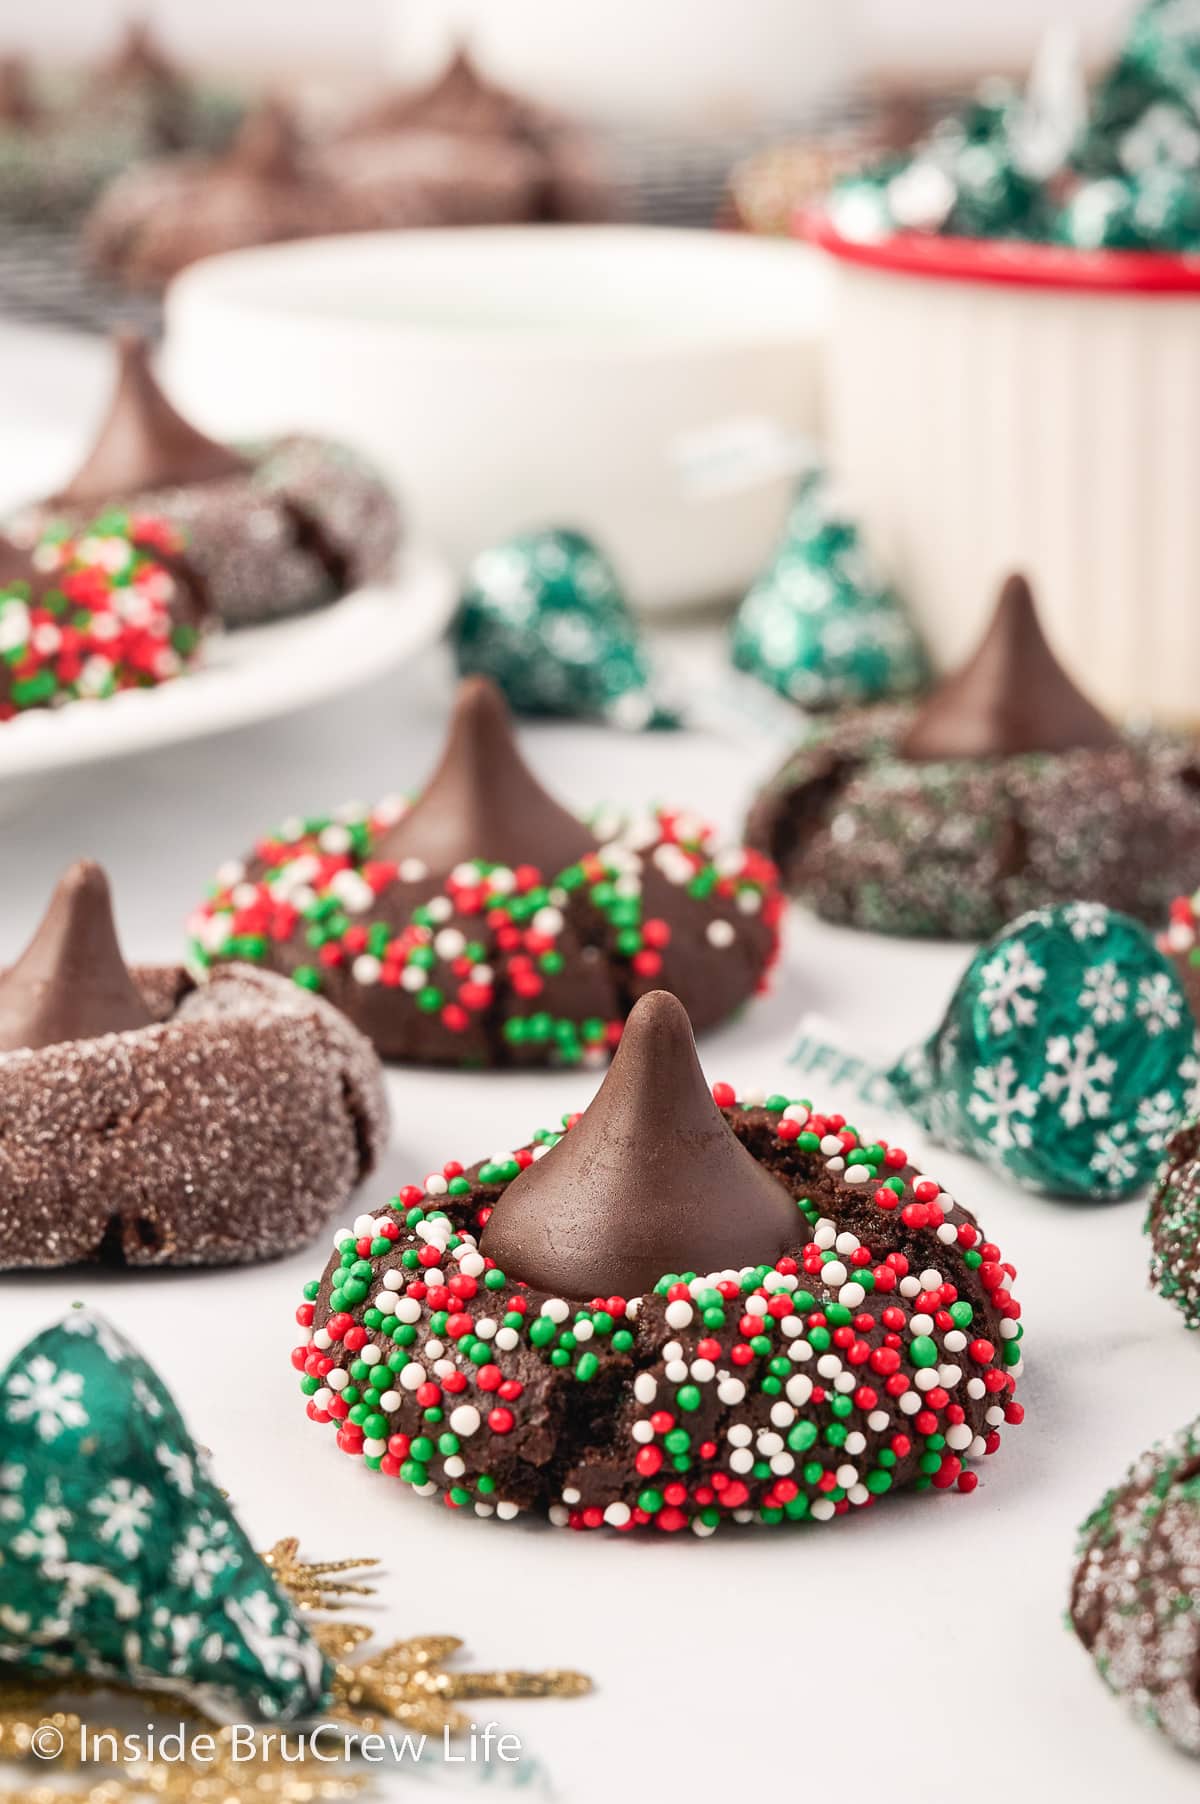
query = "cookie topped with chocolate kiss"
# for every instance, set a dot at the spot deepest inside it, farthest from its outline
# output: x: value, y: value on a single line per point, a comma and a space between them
x: 64, y: 136
x: 486, y: 924
x: 162, y: 215
x: 139, y: 79
x: 1005, y: 790
x: 484, y: 124
x: 146, y: 1121
x: 680, y: 1311
x: 270, y: 528
x: 460, y: 153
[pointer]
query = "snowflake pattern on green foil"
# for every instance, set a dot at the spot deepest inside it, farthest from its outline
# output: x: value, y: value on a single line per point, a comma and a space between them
x: 1066, y: 1057
x: 544, y: 616
x: 819, y: 624
x: 119, y: 1557
x: 1118, y: 170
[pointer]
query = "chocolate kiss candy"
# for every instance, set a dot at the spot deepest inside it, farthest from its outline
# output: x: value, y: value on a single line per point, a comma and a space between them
x: 544, y: 616
x: 71, y: 982
x: 139, y: 58
x: 819, y: 624
x: 105, y: 1450
x: 650, y: 1180
x: 1012, y: 697
x: 1065, y: 1057
x: 144, y: 444
x: 139, y: 67
x: 483, y: 801
x: 459, y: 100
x: 267, y: 146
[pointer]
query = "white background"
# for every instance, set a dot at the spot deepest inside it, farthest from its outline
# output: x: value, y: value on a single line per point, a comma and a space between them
x: 915, y: 1653
x: 917, y: 34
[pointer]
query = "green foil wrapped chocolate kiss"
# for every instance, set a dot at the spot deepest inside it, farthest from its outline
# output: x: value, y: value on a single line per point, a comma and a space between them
x: 820, y: 625
x: 1066, y: 1057
x: 1113, y: 169
x: 119, y: 1557
x: 544, y: 616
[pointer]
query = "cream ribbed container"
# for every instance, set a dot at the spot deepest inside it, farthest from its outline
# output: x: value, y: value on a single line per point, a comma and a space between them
x: 994, y: 407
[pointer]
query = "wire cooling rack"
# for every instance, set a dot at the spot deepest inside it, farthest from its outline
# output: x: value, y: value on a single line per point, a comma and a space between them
x: 43, y: 278
x: 661, y: 179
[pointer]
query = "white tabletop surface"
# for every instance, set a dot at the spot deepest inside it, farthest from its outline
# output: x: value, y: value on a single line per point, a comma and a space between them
x: 916, y: 1652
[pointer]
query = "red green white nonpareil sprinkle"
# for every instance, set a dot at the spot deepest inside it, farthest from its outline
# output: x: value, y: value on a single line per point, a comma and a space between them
x: 492, y: 936
x: 870, y: 1357
x: 101, y: 612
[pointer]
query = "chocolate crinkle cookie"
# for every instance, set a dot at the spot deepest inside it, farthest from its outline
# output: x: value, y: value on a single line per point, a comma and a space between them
x: 64, y: 135
x: 1173, y: 1224
x: 266, y: 529
x: 1005, y: 791
x: 145, y: 1121
x: 486, y: 925
x: 563, y: 175
x: 459, y: 152
x: 274, y: 186
x: 1135, y: 1600
x: 684, y: 1310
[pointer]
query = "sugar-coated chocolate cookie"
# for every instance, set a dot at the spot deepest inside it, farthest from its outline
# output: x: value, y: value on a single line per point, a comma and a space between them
x: 485, y: 925
x: 1173, y: 1223
x: 682, y: 1311
x: 265, y: 530
x: 145, y: 1121
x: 1005, y: 791
x: 1135, y: 1598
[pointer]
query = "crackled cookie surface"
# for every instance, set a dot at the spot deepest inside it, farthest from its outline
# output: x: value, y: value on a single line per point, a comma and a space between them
x: 146, y: 1121
x: 1004, y: 792
x: 683, y: 1310
x: 486, y: 925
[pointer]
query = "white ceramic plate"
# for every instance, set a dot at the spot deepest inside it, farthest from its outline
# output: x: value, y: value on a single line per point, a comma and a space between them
x: 247, y: 676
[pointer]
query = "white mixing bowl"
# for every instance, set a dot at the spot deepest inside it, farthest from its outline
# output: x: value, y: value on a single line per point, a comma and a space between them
x: 648, y: 387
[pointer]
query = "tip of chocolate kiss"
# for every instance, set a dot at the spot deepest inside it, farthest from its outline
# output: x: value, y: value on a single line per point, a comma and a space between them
x: 144, y: 443
x: 483, y: 801
x: 1011, y: 697
x: 71, y: 982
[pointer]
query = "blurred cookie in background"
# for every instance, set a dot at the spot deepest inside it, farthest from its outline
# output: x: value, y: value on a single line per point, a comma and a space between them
x: 267, y: 529
x: 65, y: 134
x: 461, y: 152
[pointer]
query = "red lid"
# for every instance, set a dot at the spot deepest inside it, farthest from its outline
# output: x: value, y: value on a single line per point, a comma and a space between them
x: 1011, y: 262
